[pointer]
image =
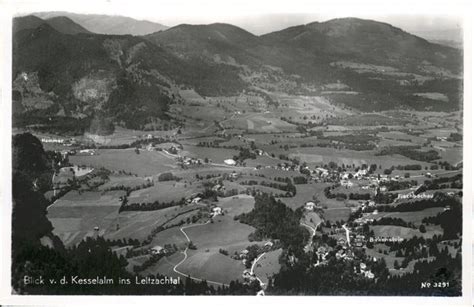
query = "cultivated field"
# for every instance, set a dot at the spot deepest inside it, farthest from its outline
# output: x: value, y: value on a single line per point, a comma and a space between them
x: 147, y: 163
x: 75, y: 216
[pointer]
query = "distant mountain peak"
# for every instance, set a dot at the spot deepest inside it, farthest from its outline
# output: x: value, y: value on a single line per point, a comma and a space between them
x: 107, y: 24
x: 61, y: 24
x: 66, y: 25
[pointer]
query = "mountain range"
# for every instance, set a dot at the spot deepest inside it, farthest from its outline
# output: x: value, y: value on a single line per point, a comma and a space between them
x: 63, y: 68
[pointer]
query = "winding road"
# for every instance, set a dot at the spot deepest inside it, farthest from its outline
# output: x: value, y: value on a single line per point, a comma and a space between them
x: 175, y: 268
x: 261, y: 292
x: 348, y: 237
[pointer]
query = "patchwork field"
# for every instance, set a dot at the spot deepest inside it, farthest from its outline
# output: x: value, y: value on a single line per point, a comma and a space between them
x: 165, y: 191
x: 76, y: 215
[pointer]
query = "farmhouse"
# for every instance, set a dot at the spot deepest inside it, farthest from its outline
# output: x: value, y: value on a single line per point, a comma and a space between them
x: 156, y: 250
x: 243, y: 253
x: 216, y: 211
x: 309, y: 205
x: 196, y: 200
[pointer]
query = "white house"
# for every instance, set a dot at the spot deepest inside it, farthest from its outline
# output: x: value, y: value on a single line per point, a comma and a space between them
x: 155, y: 250
x: 230, y: 162
x: 196, y: 200
x: 309, y: 205
x: 216, y: 211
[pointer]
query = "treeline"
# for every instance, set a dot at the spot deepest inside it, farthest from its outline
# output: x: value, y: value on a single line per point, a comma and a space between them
x: 342, y: 196
x: 394, y: 222
x: 288, y: 187
x: 152, y: 206
x: 454, y: 182
x: 412, y: 152
x: 393, y: 185
x: 438, y: 200
x: 153, y: 141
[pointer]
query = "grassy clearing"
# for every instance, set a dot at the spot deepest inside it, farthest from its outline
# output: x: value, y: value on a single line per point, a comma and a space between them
x: 146, y: 163
x: 212, y: 265
x: 75, y: 216
x: 304, y: 193
x: 139, y: 224
x: 166, y: 191
x: 170, y: 236
x: 268, y: 265
x: 236, y: 205
x: 336, y: 214
x: 126, y: 181
x: 224, y: 232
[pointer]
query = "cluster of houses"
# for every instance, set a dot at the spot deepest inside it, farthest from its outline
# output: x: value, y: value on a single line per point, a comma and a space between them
x: 364, y: 270
x: 189, y: 161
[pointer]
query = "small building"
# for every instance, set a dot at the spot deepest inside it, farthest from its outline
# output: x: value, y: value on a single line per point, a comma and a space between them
x: 243, y: 254
x: 216, y: 211
x: 156, y: 250
x: 196, y: 200
x: 309, y: 205
x: 230, y: 162
x: 246, y: 274
x: 269, y: 244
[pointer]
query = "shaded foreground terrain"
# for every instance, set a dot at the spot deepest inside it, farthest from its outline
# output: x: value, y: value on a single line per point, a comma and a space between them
x: 323, y: 159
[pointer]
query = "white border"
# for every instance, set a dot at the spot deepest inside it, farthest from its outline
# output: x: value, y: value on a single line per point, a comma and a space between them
x: 226, y: 9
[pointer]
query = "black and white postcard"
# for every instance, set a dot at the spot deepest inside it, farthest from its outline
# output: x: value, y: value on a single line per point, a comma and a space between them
x: 184, y: 149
